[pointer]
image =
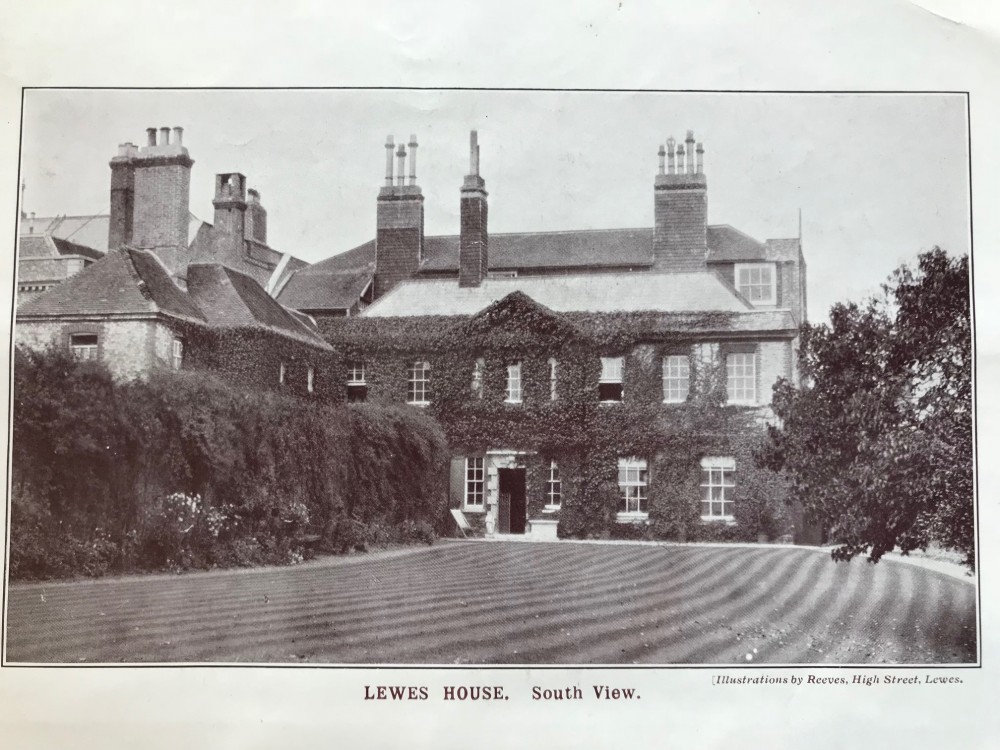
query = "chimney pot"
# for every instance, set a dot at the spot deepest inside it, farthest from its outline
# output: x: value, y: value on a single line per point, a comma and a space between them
x: 400, y: 165
x: 474, y: 153
x: 179, y: 135
x: 413, y: 159
x: 662, y: 153
x: 389, y: 146
x: 150, y: 136
x: 164, y: 136
x: 671, y: 148
x: 700, y: 164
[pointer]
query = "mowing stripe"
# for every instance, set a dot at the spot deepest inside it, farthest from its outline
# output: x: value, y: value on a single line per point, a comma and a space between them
x: 511, y: 603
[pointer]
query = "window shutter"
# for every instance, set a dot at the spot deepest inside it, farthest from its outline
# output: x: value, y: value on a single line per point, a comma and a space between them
x: 456, y: 483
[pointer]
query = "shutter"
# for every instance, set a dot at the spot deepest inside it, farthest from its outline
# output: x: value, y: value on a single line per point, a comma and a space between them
x: 456, y: 484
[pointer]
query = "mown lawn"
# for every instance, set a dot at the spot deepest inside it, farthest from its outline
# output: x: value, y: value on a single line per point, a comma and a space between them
x: 511, y: 603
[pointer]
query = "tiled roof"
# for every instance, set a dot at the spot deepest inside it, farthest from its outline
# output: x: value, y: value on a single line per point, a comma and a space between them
x: 336, y: 282
x: 47, y: 246
x: 605, y: 248
x: 65, y: 247
x: 665, y: 292
x: 89, y: 231
x: 230, y: 299
x: 125, y: 281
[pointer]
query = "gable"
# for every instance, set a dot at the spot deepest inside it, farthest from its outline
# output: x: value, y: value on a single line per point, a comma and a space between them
x: 516, y: 321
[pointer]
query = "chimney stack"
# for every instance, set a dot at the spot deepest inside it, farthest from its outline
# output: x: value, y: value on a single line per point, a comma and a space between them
x: 473, y: 248
x: 256, y: 221
x: 150, y: 194
x: 399, y: 220
x: 680, y: 200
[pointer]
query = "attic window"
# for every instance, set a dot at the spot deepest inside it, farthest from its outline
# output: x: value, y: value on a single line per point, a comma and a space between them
x: 83, y: 346
x: 281, y: 373
x: 357, y: 385
x: 311, y: 380
x: 609, y: 389
x: 756, y: 282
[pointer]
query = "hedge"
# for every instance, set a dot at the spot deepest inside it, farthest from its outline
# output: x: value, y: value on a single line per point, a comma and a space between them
x: 183, y: 470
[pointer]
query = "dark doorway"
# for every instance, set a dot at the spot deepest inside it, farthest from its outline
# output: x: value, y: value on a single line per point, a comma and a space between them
x: 513, y: 511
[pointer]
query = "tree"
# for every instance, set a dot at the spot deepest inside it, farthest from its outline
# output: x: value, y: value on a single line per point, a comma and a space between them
x: 877, y: 440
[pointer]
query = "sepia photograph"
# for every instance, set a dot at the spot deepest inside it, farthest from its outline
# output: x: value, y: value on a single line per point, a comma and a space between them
x: 480, y: 378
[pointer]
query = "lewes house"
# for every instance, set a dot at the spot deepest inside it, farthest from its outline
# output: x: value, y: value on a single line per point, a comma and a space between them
x: 591, y: 383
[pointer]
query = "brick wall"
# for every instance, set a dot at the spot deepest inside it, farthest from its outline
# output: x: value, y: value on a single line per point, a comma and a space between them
x: 473, y: 254
x: 399, y: 239
x: 774, y: 361
x: 680, y: 238
x: 130, y: 348
x: 162, y: 197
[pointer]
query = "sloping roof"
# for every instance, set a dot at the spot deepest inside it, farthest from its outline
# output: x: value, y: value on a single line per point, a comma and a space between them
x: 65, y: 247
x: 47, y: 246
x: 230, y: 299
x: 665, y: 292
x: 124, y: 281
x: 333, y: 284
x: 591, y: 248
x: 336, y: 282
x: 726, y: 243
x: 89, y: 231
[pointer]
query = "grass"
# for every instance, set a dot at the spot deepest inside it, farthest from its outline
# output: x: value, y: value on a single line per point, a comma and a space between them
x: 511, y: 603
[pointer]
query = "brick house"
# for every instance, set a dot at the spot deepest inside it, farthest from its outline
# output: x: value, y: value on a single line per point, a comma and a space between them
x: 45, y: 260
x: 590, y: 382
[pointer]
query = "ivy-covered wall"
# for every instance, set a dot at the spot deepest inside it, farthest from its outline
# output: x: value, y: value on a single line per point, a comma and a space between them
x: 584, y: 436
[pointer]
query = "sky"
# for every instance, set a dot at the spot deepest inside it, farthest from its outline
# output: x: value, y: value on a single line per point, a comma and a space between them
x: 878, y: 178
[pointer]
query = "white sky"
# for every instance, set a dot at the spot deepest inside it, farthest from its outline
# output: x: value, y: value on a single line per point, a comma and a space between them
x: 879, y: 178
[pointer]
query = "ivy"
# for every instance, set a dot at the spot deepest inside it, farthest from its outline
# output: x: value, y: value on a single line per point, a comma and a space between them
x: 585, y: 437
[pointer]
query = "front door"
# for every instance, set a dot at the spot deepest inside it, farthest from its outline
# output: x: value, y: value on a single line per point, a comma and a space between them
x: 512, y: 508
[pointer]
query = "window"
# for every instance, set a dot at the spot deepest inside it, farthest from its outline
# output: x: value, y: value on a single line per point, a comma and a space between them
x: 357, y: 386
x: 418, y: 386
x: 718, y: 483
x: 514, y: 383
x: 633, y: 484
x: 475, y: 483
x: 553, y: 488
x: 553, y: 379
x: 177, y: 353
x: 310, y: 379
x: 756, y: 282
x: 741, y: 378
x: 477, y: 377
x: 281, y: 373
x: 83, y: 346
x: 676, y: 378
x: 610, y: 387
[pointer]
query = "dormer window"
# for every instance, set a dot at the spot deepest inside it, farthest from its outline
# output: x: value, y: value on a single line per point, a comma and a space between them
x: 282, y: 370
x: 609, y: 388
x: 357, y: 385
x: 310, y: 380
x: 756, y: 282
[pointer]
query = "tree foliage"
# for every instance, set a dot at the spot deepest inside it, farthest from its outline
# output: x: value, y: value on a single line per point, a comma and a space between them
x: 878, y: 438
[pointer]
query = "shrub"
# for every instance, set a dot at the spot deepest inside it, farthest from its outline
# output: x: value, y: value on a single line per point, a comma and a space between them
x: 184, y: 471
